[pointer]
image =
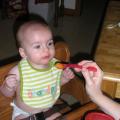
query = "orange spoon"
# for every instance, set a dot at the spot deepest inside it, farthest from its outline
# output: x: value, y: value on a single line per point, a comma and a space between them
x: 63, y: 66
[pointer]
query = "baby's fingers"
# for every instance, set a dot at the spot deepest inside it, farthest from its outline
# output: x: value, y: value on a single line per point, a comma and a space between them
x: 11, y: 80
x: 68, y: 73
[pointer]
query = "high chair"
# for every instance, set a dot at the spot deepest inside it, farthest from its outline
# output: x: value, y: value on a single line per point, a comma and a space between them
x: 75, y: 87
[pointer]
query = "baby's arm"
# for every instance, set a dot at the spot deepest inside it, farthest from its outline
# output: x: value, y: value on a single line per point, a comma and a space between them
x: 93, y: 87
x: 67, y: 76
x: 10, y: 82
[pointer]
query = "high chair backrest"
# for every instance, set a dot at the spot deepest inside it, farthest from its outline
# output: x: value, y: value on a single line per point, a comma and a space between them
x: 62, y: 51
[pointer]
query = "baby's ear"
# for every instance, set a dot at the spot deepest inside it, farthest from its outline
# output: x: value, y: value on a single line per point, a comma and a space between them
x: 22, y: 53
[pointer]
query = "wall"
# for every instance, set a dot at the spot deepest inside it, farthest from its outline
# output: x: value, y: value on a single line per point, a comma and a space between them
x: 69, y: 4
x: 46, y: 10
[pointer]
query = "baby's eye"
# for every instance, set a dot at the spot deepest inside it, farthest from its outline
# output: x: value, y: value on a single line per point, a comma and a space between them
x: 50, y: 43
x: 37, y: 46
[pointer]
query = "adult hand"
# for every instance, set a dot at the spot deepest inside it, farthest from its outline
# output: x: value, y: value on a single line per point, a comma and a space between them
x: 93, y: 79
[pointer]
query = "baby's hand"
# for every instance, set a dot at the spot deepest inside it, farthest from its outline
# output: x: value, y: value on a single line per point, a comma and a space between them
x: 11, y: 81
x: 68, y: 74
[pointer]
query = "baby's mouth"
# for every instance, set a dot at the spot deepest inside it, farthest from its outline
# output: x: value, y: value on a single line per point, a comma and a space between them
x: 46, y: 57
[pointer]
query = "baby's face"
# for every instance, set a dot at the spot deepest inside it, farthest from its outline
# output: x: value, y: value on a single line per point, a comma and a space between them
x: 38, y: 46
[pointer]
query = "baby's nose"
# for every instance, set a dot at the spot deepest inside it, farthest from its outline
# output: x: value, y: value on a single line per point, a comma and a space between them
x: 45, y: 48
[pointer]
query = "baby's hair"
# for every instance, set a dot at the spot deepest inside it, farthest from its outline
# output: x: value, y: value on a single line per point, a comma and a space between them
x: 23, y: 20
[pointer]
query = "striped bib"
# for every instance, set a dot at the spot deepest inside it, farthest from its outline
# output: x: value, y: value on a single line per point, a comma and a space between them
x: 40, y: 88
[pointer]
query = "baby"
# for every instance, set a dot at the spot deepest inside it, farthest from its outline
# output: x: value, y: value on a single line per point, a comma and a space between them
x: 34, y: 81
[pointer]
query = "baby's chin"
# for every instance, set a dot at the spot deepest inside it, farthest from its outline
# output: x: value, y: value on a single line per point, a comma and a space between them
x: 41, y: 66
x: 45, y: 63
